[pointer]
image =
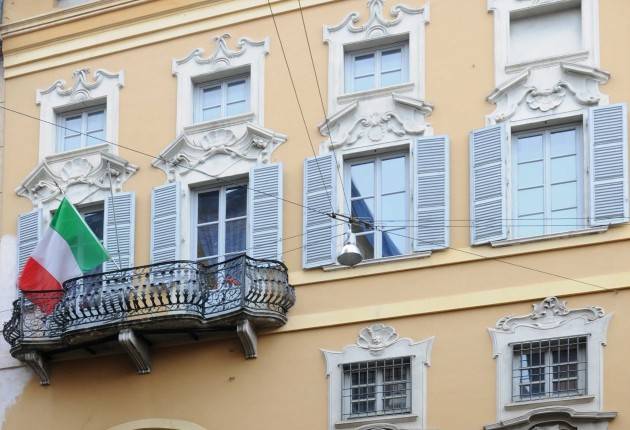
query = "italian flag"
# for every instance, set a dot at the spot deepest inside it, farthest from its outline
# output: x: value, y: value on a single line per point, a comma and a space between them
x: 67, y: 249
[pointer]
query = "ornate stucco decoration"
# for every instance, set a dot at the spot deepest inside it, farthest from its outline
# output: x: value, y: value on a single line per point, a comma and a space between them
x: 378, y: 342
x: 84, y: 91
x: 217, y: 152
x: 549, y: 319
x: 556, y: 418
x: 248, y: 57
x: 83, y: 175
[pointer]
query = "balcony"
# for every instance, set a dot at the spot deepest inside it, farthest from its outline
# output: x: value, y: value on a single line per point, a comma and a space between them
x: 133, y: 309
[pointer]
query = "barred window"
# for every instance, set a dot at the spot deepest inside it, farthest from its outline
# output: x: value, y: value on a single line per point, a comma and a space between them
x: 549, y: 368
x: 379, y: 387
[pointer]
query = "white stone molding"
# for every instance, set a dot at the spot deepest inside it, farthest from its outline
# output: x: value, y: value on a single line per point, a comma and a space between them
x: 248, y: 56
x: 102, y: 88
x: 550, y: 319
x: 403, y: 22
x: 82, y: 175
x: 556, y: 418
x: 378, y: 342
x: 553, y: 85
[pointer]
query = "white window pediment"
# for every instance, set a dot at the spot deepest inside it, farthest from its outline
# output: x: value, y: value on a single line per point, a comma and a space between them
x: 379, y: 342
x: 550, y: 320
x: 102, y: 89
x: 82, y: 175
x: 404, y: 26
x: 248, y: 57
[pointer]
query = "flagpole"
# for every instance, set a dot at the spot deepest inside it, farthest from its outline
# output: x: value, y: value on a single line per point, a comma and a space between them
x: 111, y: 191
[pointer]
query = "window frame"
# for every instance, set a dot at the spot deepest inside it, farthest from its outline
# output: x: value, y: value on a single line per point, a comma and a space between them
x: 377, y: 159
x: 223, y: 82
x: 582, y: 177
x: 350, y: 54
x: 63, y: 115
x: 221, y: 221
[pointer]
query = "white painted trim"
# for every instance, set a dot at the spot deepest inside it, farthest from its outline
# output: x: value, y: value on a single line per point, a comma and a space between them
x: 103, y: 89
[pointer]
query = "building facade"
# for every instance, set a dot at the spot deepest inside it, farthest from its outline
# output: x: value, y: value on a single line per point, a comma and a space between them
x: 223, y: 150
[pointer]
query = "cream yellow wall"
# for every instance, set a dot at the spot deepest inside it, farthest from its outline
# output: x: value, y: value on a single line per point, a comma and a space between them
x: 420, y: 297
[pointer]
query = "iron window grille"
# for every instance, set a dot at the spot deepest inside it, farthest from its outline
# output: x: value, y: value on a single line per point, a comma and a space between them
x: 379, y: 387
x: 549, y: 368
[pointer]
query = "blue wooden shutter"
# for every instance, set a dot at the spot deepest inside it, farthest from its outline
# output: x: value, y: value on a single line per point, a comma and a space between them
x: 119, y: 231
x: 431, y: 193
x: 29, y: 232
x: 165, y: 234
x: 319, y: 194
x: 488, y: 184
x: 608, y: 129
x: 265, y: 202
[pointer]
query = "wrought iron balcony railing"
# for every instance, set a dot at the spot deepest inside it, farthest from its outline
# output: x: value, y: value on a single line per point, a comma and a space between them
x: 138, y: 306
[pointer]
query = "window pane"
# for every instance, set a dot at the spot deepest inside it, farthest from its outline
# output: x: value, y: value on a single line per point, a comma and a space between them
x: 235, y: 235
x: 236, y: 92
x: 530, y: 174
x: 71, y: 142
x: 391, y: 78
x: 393, y: 175
x: 362, y: 178
x: 563, y: 169
x: 211, y: 97
x: 96, y: 121
x: 530, y: 201
x: 365, y: 242
x: 394, y: 242
x: 94, y: 220
x: 95, y: 138
x: 563, y: 143
x: 364, y: 83
x: 236, y: 202
x: 563, y: 196
x: 393, y: 209
x: 363, y: 65
x: 362, y: 209
x: 208, y: 207
x: 565, y: 220
x: 236, y: 108
x: 391, y: 60
x: 531, y: 225
x: 530, y: 148
x: 207, y: 240
x: 72, y: 125
x: 211, y: 113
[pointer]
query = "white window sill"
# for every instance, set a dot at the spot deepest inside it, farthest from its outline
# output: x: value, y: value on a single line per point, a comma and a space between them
x: 530, y: 404
x: 414, y: 256
x: 376, y: 92
x: 73, y: 153
x: 390, y: 419
x: 220, y: 122
x: 565, y: 234
x: 573, y: 56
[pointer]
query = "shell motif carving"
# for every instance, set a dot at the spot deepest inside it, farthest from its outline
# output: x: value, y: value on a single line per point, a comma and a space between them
x: 377, y: 337
x: 75, y: 169
x: 215, y: 138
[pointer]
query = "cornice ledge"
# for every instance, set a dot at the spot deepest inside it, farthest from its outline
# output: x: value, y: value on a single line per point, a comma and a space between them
x: 599, y: 75
x: 332, y: 120
x: 421, y: 105
x: 82, y: 85
x: 376, y: 21
x: 506, y: 86
x: 549, y: 313
x: 222, y: 54
x: 551, y: 414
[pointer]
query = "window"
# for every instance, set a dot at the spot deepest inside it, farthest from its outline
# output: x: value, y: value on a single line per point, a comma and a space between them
x: 221, y: 223
x: 379, y: 194
x: 79, y: 129
x: 557, y: 27
x: 94, y: 217
x: 549, y: 368
x: 376, y: 68
x: 547, y: 181
x: 220, y: 99
x: 380, y: 387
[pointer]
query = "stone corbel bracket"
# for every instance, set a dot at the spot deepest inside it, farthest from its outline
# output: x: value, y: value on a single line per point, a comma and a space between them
x: 249, y: 339
x: 138, y: 350
x: 38, y: 365
x: 80, y: 174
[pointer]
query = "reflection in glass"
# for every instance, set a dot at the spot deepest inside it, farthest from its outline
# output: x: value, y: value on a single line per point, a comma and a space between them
x: 208, y: 207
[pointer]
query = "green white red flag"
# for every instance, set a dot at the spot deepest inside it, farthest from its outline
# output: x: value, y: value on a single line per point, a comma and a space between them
x: 67, y: 249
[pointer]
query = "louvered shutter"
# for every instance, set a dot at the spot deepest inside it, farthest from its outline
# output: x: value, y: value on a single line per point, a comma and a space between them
x: 265, y: 202
x: 608, y: 131
x: 431, y: 193
x: 29, y: 232
x: 488, y: 184
x: 165, y: 235
x: 119, y: 231
x: 319, y: 196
